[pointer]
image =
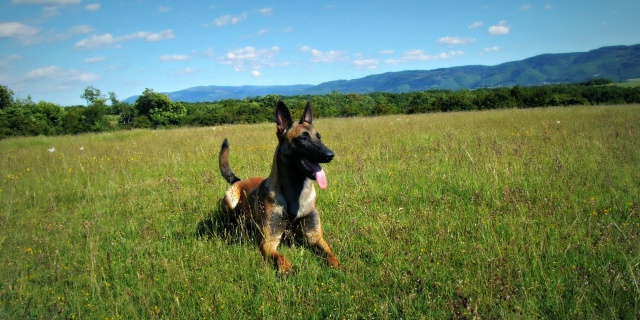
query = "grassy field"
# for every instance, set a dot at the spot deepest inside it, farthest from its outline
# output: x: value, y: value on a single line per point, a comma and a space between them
x: 629, y: 83
x: 498, y: 214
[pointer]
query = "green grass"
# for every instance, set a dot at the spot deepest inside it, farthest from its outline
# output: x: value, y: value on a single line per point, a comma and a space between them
x: 629, y: 83
x: 498, y: 214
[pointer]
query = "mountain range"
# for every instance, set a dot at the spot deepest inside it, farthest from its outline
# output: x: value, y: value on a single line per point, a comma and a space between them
x: 617, y: 63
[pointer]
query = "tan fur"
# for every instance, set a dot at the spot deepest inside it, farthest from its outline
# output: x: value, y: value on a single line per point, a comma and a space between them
x: 237, y: 193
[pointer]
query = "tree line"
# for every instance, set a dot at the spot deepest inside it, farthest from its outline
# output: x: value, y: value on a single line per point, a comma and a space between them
x: 24, y: 117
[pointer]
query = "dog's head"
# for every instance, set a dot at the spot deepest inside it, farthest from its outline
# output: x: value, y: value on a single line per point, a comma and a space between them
x: 300, y: 144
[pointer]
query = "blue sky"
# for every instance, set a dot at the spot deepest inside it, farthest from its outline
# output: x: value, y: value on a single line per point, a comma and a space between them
x: 52, y: 49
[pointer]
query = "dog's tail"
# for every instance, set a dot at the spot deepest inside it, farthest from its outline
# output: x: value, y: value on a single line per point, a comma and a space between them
x: 223, y: 162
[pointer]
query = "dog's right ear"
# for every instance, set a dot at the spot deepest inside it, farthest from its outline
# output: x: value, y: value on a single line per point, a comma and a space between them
x: 283, y: 117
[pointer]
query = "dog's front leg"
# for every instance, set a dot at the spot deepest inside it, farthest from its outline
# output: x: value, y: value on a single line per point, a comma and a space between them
x: 272, y: 230
x: 312, y: 231
x: 269, y: 251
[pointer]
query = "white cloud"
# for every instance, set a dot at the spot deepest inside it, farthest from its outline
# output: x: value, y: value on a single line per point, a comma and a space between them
x: 175, y: 57
x: 393, y: 61
x: 325, y: 56
x: 93, y: 7
x: 328, y: 56
x: 25, y: 34
x: 42, y: 72
x: 455, y: 40
x: 366, y: 63
x: 548, y: 7
x: 489, y: 49
x: 476, y: 24
x: 387, y: 51
x: 265, y: 11
x: 209, y: 53
x: 96, y: 42
x: 108, y: 41
x: 28, y: 35
x: 9, y: 60
x: 263, y: 32
x: 95, y: 59
x: 150, y: 36
x: 50, y: 11
x: 420, y: 55
x: 186, y: 71
x: 54, y: 79
x: 16, y: 29
x: 250, y: 58
x: 75, y: 30
x: 500, y: 28
x: 242, y: 54
x: 77, y: 76
x: 164, y: 9
x: 114, y: 68
x: 80, y: 29
x: 526, y: 7
x: 255, y: 73
x: 58, y: 78
x: 229, y: 19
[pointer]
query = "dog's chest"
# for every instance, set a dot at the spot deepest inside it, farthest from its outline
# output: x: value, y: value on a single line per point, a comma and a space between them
x: 301, y: 206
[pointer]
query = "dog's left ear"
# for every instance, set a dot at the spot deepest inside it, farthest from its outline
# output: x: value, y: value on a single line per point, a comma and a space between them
x: 283, y: 117
x: 307, y: 116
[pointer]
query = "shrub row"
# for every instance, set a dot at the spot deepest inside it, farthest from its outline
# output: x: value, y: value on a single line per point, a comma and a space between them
x: 153, y: 110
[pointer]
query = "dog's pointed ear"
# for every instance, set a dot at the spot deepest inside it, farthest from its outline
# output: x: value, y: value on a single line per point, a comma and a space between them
x: 307, y: 116
x: 283, y: 117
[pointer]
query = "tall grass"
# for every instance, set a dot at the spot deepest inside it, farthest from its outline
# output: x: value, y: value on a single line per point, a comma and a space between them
x: 509, y: 213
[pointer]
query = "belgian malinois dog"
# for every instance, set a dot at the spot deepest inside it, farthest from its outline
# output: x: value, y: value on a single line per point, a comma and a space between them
x: 287, y: 198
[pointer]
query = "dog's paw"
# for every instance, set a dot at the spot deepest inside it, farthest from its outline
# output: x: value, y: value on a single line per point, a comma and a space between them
x: 284, y: 267
x: 332, y: 261
x: 287, y: 272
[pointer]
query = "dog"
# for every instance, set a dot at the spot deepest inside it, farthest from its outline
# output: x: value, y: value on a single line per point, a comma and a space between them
x: 287, y: 197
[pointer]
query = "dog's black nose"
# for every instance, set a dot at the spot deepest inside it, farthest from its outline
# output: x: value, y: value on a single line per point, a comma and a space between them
x: 329, y: 155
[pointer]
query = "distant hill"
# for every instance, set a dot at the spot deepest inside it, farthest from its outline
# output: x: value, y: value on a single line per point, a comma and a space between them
x: 217, y: 93
x: 616, y: 63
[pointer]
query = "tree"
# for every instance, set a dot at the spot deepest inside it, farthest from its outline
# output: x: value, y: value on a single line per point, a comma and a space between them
x: 49, y: 117
x: 93, y: 117
x: 71, y: 121
x: 159, y: 108
x: 6, y: 97
x: 419, y: 102
x: 93, y: 96
x: 114, y: 99
x: 26, y: 118
x: 517, y: 95
x: 127, y: 115
x: 382, y: 104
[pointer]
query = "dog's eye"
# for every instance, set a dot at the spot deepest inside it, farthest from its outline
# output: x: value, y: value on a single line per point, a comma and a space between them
x: 318, y: 136
x: 303, y: 137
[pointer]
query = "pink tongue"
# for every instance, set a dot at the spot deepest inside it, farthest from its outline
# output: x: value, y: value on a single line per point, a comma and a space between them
x: 321, y: 179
